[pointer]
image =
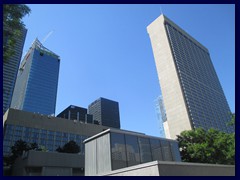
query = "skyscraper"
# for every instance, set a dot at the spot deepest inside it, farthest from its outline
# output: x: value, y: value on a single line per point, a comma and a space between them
x: 37, y: 81
x: 106, y: 112
x: 192, y: 94
x: 10, y: 69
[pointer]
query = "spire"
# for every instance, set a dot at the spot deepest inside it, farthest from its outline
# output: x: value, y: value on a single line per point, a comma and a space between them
x: 161, y: 10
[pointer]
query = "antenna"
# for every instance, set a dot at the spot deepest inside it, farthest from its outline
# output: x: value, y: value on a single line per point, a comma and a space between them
x: 161, y: 10
x: 47, y: 36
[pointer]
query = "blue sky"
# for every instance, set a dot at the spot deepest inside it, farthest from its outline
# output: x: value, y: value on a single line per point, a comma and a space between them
x: 106, y: 52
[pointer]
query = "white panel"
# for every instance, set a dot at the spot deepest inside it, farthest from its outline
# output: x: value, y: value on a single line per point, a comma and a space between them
x: 103, y: 154
x: 90, y: 158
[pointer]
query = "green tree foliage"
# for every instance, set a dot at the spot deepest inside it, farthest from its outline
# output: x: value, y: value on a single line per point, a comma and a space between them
x: 70, y: 147
x: 210, y: 146
x: 232, y: 122
x: 18, y: 148
x: 12, y: 25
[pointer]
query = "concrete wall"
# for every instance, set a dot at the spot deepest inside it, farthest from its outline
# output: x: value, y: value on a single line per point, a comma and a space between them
x: 161, y: 168
x: 177, y: 115
x: 34, y: 120
x: 36, y: 163
x: 98, y: 156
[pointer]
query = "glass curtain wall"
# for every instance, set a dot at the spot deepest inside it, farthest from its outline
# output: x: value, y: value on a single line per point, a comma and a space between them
x: 128, y: 150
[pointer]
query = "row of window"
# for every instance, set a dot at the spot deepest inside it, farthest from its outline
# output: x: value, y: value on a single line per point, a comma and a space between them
x: 194, y: 61
x: 205, y: 100
x: 50, y: 139
x: 129, y: 150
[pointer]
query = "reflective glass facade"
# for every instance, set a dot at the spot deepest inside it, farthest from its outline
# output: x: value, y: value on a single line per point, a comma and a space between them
x: 10, y: 70
x: 128, y: 150
x: 161, y: 115
x: 37, y: 81
x: 51, y: 140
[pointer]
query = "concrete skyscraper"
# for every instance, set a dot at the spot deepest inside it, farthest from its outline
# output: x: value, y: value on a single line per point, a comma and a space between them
x: 37, y: 81
x: 106, y: 112
x: 192, y: 94
x: 10, y: 70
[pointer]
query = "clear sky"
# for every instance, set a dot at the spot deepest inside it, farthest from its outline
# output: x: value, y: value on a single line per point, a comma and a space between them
x: 106, y: 52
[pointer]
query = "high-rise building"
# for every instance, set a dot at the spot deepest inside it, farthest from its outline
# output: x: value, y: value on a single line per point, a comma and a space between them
x: 106, y: 112
x: 10, y: 70
x: 37, y: 81
x: 192, y: 94
x: 161, y: 115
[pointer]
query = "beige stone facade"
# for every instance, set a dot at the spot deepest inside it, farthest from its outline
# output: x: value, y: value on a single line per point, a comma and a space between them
x: 177, y: 116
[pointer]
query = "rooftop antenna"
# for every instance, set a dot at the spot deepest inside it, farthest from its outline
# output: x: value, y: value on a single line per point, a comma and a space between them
x: 47, y: 36
x: 161, y: 10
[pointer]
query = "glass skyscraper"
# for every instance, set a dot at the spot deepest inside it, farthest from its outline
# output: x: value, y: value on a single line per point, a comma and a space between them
x: 192, y: 94
x: 161, y: 115
x: 37, y: 81
x: 10, y: 69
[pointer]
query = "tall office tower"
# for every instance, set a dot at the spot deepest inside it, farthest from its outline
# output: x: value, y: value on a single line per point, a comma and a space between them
x: 37, y: 81
x: 192, y: 94
x: 106, y: 112
x: 161, y: 115
x: 10, y: 69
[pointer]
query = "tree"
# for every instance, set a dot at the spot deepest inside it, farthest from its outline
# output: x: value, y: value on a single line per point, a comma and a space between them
x: 12, y: 26
x: 18, y: 148
x: 232, y: 121
x: 70, y: 147
x: 210, y: 146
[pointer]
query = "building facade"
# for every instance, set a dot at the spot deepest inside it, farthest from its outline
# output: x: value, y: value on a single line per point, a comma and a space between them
x: 106, y: 112
x: 47, y: 131
x: 74, y: 113
x: 192, y: 94
x: 10, y: 70
x: 38, y: 163
x: 37, y: 81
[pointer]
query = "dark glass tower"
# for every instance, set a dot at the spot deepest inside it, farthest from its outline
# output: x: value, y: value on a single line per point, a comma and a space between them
x: 106, y: 112
x: 37, y: 81
x: 10, y: 70
x: 192, y: 94
x: 73, y: 113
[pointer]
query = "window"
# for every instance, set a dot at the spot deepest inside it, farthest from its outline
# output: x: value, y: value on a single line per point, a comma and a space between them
x: 118, y: 151
x: 175, y: 151
x: 145, y: 151
x: 132, y: 149
x: 167, y: 155
x: 156, y: 150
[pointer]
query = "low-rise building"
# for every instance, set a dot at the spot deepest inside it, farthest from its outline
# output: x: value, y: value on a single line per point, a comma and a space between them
x: 48, y: 131
x: 115, y: 149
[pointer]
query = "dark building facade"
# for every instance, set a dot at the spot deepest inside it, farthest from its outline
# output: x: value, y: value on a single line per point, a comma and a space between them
x: 10, y: 69
x: 106, y: 112
x: 74, y: 113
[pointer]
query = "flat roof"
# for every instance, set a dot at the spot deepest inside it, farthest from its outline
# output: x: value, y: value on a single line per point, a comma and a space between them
x: 121, y: 131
